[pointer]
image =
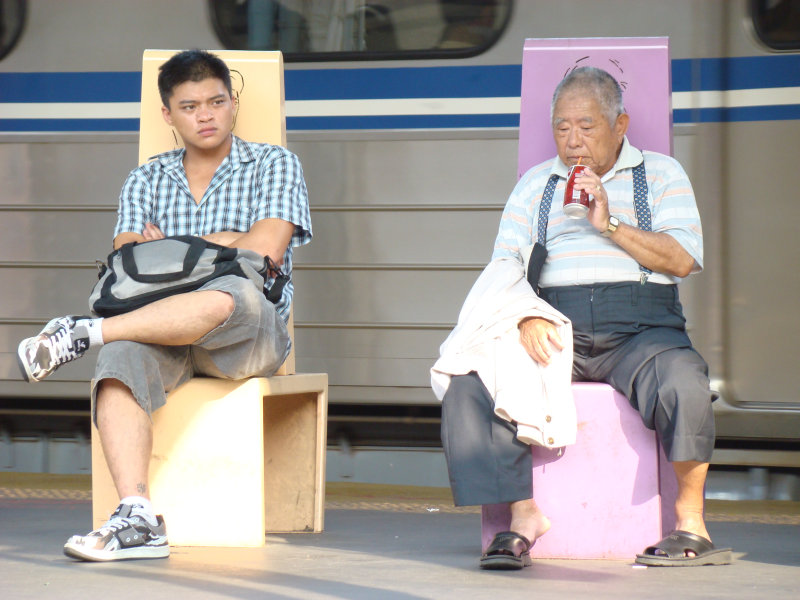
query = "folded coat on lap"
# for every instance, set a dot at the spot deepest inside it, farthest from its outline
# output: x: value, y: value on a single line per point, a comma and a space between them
x: 486, y: 340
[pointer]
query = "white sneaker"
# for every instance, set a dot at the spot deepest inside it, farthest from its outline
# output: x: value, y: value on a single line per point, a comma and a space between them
x: 127, y: 534
x: 58, y: 343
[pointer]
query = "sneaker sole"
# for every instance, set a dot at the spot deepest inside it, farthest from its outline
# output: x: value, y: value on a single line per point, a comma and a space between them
x: 92, y: 555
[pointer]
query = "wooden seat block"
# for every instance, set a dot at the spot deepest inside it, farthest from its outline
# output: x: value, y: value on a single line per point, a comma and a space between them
x: 249, y: 454
x: 610, y: 495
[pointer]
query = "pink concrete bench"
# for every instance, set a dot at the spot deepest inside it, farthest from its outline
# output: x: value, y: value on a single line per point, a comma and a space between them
x: 608, y: 496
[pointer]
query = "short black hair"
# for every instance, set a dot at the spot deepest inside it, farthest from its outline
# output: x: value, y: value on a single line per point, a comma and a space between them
x: 191, y: 65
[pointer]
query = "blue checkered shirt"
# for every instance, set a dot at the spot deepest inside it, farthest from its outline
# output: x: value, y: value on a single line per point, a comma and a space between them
x: 254, y: 182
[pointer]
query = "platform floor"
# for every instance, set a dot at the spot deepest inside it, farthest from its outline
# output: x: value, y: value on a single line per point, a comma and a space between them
x: 380, y: 542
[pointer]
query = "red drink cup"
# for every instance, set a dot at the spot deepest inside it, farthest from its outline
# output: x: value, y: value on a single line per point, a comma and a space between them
x: 576, y: 202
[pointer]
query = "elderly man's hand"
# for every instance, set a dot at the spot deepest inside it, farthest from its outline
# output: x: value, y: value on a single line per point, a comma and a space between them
x: 539, y: 337
x: 598, y: 208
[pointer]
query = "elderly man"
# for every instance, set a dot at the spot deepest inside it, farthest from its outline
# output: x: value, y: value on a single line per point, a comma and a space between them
x: 613, y: 274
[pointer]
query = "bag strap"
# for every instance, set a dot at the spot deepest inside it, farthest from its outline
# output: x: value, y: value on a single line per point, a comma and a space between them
x: 643, y: 216
x: 281, y: 279
x: 194, y: 251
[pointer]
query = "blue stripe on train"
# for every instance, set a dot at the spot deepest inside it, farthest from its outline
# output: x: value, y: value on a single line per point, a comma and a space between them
x: 402, y: 82
x: 102, y: 86
x: 749, y: 72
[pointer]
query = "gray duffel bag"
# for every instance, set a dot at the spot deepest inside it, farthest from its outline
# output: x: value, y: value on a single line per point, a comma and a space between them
x: 142, y: 272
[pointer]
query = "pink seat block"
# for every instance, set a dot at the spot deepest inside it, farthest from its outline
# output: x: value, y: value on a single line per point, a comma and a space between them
x: 608, y: 496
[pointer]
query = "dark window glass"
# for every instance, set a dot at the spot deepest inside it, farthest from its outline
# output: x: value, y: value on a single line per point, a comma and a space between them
x: 12, y: 20
x: 306, y: 30
x: 777, y: 23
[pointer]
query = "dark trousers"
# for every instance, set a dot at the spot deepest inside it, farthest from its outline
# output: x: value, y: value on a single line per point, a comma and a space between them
x: 628, y: 335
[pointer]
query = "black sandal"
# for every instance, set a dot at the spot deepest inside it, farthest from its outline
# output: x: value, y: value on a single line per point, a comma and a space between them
x: 509, y: 550
x: 672, y: 552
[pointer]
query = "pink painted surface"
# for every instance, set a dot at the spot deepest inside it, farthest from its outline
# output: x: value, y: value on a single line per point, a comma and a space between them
x: 604, y: 494
x: 642, y: 67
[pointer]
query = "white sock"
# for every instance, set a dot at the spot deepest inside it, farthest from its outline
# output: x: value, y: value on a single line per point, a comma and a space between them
x: 95, y: 329
x: 146, y: 510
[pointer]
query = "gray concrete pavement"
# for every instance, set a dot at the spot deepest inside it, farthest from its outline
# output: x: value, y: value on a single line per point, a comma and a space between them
x: 376, y: 554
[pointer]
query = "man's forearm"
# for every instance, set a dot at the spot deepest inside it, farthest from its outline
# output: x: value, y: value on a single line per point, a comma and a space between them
x: 126, y: 238
x: 659, y: 252
x: 224, y: 238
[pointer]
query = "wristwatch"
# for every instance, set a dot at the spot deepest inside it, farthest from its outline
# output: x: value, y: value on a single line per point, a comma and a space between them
x: 613, y: 223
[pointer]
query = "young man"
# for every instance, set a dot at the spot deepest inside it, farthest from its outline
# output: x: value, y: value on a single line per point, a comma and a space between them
x: 227, y: 191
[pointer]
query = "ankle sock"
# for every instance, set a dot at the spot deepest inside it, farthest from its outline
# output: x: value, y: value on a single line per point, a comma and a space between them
x: 95, y: 329
x: 146, y: 509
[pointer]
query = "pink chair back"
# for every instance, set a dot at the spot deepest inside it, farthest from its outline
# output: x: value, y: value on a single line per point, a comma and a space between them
x: 642, y: 67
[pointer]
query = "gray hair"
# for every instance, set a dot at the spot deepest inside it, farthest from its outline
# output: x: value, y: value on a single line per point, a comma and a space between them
x: 597, y: 83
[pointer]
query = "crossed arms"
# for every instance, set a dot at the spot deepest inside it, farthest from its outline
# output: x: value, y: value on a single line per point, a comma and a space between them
x: 268, y: 237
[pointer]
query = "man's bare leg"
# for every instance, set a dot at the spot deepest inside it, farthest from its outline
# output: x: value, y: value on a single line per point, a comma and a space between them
x: 125, y: 429
x: 133, y: 531
x: 126, y: 435
x: 174, y: 321
x: 691, y: 495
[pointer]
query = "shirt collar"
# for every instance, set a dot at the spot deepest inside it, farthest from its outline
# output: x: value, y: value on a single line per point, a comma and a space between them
x: 240, y: 153
x: 628, y: 158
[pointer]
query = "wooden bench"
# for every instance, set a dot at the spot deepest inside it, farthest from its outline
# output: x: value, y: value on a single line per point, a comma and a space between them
x: 247, y: 453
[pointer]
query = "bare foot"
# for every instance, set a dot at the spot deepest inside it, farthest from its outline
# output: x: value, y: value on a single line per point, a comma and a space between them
x: 691, y: 521
x: 528, y: 520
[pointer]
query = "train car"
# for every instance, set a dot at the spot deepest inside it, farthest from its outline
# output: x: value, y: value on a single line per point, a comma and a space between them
x: 405, y: 116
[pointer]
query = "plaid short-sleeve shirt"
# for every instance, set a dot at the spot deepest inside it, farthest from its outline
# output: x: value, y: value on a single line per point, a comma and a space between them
x: 254, y: 182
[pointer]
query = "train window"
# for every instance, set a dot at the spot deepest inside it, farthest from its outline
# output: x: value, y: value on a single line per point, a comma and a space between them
x: 12, y: 20
x: 306, y: 30
x: 777, y: 23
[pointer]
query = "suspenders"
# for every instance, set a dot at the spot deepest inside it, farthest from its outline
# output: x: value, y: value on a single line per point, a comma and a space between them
x: 643, y: 218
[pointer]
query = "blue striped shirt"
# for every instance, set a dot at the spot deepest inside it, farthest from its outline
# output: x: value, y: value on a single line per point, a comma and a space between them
x: 254, y: 182
x: 577, y: 253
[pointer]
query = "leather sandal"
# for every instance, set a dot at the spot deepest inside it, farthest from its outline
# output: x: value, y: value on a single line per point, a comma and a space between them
x: 673, y: 551
x: 509, y: 550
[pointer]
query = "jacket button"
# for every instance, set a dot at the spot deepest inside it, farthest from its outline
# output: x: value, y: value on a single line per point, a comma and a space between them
x: 548, y: 418
x: 550, y: 441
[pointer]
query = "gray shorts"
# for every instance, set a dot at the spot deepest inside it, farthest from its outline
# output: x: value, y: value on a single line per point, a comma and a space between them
x: 253, y: 341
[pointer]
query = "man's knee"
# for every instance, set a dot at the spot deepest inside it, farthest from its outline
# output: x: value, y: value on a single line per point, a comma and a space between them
x: 675, y: 399
x: 138, y: 369
x: 224, y: 303
x: 683, y: 375
x: 108, y: 395
x: 237, y: 293
x: 110, y: 390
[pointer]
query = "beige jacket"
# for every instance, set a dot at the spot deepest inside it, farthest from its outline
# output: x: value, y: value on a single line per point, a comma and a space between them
x: 486, y: 340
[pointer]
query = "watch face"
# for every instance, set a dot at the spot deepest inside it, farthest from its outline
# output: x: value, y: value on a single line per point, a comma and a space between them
x: 613, y: 223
